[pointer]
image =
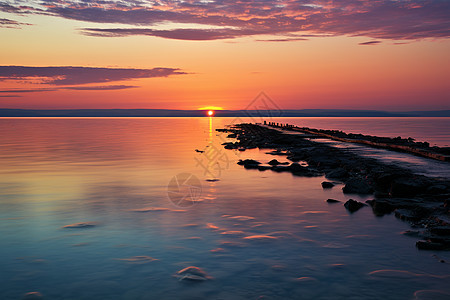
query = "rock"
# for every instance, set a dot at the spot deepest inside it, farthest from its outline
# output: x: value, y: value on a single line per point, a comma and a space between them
x: 407, y: 187
x: 248, y: 162
x: 333, y: 201
x: 440, y: 230
x: 274, y: 162
x: 406, y: 214
x: 281, y: 168
x: 437, y: 189
x: 357, y: 186
x: 339, y: 173
x: 193, y: 274
x: 263, y: 168
x: 32, y: 296
x: 327, y: 185
x: 352, y: 205
x: 427, y: 245
x: 380, y: 207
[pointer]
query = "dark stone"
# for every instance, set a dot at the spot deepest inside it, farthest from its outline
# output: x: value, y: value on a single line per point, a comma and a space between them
x: 274, y: 162
x: 427, y: 245
x: 327, y: 185
x: 407, y: 187
x: 339, y: 173
x: 381, y: 207
x: 249, y: 163
x: 406, y: 214
x: 352, y: 205
x: 263, y: 168
x: 357, y: 186
x: 333, y: 201
x: 440, y: 230
x: 438, y: 189
x: 281, y: 168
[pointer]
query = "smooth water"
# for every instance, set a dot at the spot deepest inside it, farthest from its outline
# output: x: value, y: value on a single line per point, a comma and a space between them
x: 260, y: 235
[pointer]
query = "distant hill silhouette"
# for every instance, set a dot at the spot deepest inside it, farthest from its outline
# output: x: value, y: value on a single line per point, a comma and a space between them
x: 218, y: 113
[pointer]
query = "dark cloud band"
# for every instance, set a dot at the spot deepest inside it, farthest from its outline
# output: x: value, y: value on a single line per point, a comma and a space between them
x: 60, y: 76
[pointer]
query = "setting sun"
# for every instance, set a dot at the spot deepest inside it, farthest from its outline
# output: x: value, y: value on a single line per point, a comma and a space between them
x: 210, y: 113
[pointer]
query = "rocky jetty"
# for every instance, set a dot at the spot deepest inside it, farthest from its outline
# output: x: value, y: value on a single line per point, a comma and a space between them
x: 420, y: 200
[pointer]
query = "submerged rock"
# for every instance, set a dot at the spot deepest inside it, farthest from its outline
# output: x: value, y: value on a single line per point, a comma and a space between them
x: 193, y: 274
x: 353, y: 205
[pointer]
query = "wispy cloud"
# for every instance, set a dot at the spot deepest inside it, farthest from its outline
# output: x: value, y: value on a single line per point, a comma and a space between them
x: 101, y: 88
x: 382, y: 19
x: 7, y: 23
x: 283, y: 40
x: 80, y: 75
x: 370, y: 43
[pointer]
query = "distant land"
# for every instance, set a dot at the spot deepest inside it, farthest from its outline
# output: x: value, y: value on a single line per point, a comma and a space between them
x: 218, y: 113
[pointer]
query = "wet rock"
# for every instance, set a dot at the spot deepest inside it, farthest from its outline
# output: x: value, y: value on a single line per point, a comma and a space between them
x: 249, y: 163
x: 192, y: 274
x: 352, y: 205
x: 275, y: 162
x: 263, y: 168
x: 339, y: 173
x: 438, y: 189
x: 327, y: 185
x: 300, y: 170
x: 406, y: 214
x: 380, y: 207
x: 440, y: 230
x: 427, y: 245
x: 281, y: 168
x: 333, y: 201
x: 357, y: 186
x: 404, y: 187
x: 32, y: 296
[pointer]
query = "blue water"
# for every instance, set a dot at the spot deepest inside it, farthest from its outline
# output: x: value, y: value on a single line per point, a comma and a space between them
x: 258, y: 235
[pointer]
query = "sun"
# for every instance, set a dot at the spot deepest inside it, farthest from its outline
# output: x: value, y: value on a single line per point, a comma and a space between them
x: 210, y: 113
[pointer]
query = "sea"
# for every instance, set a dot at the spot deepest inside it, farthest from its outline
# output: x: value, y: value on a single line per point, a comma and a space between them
x: 114, y: 208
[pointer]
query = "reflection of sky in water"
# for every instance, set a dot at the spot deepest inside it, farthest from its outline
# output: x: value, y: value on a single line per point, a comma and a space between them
x: 257, y: 233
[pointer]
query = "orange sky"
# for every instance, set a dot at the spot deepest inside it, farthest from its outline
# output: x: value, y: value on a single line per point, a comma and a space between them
x: 231, y: 65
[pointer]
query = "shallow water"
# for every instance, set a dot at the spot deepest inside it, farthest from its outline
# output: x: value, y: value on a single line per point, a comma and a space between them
x: 256, y: 233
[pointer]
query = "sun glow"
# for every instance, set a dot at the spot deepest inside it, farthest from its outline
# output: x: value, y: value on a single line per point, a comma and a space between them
x: 213, y: 108
x: 210, y: 113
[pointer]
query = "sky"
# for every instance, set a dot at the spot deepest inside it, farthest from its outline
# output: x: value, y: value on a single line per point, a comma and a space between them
x: 303, y: 54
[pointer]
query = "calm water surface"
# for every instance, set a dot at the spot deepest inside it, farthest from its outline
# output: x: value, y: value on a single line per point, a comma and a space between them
x: 260, y: 235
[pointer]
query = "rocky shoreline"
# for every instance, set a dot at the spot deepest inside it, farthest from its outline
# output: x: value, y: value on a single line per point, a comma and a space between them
x: 422, y: 201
